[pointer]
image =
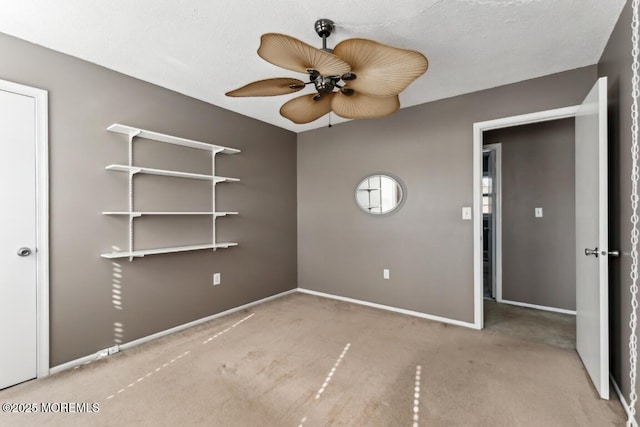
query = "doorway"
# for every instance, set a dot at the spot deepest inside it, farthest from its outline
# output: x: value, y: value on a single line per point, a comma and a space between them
x: 535, y: 267
x: 533, y: 211
x: 591, y: 203
x: 479, y: 129
x: 24, y: 273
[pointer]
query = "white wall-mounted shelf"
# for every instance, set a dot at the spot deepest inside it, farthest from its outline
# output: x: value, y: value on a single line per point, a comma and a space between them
x: 368, y: 189
x: 162, y: 172
x: 142, y: 252
x: 132, y: 170
x: 136, y: 214
x: 160, y: 137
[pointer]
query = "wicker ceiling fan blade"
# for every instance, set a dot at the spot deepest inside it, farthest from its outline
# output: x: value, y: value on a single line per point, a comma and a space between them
x: 380, y: 70
x: 269, y: 87
x: 292, y: 54
x: 360, y: 106
x: 304, y: 109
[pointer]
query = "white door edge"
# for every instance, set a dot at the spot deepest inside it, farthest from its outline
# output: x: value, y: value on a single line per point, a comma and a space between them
x: 604, y: 235
x: 478, y: 129
x: 42, y: 214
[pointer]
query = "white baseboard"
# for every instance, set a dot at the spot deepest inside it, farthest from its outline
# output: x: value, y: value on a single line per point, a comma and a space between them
x: 100, y: 354
x: 389, y: 308
x: 625, y: 405
x: 537, y: 307
x: 73, y: 363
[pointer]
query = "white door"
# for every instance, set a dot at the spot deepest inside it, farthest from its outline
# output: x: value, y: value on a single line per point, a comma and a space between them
x: 592, y: 237
x: 18, y: 315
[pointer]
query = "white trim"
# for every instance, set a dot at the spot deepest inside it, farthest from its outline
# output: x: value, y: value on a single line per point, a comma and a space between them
x: 478, y: 129
x: 40, y: 97
x: 478, y: 294
x: 537, y: 307
x: 389, y: 308
x: 497, y: 215
x: 98, y: 355
x: 73, y: 363
x: 603, y: 237
x: 623, y: 401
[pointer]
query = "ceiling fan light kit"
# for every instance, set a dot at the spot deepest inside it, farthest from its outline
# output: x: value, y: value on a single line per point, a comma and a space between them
x: 358, y: 79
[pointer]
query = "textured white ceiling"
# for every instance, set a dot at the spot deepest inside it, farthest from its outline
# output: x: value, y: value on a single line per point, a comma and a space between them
x: 204, y: 48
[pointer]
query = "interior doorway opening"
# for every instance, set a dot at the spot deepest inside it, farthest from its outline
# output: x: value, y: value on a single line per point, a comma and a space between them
x: 528, y: 215
x: 479, y: 129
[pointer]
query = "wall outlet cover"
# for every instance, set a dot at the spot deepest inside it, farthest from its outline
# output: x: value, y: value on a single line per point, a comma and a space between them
x: 385, y: 274
x: 216, y: 279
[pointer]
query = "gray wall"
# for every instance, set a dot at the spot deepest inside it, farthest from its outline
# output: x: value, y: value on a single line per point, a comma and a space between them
x: 426, y: 245
x: 538, y: 254
x: 615, y: 64
x: 160, y: 291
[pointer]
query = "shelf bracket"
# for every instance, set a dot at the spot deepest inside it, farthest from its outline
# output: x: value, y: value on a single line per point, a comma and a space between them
x: 213, y: 199
x: 132, y: 135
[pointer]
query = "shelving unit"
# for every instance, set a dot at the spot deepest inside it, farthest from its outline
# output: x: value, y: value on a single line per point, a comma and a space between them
x: 132, y: 171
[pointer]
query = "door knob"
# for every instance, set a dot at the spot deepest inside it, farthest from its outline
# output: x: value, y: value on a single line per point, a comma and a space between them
x: 593, y: 252
x: 24, y: 252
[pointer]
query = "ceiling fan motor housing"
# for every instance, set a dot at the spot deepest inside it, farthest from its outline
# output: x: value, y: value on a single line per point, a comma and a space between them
x: 325, y: 84
x: 324, y: 27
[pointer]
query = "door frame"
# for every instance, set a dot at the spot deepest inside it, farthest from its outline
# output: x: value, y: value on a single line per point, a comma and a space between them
x: 496, y: 256
x: 40, y: 97
x: 478, y: 129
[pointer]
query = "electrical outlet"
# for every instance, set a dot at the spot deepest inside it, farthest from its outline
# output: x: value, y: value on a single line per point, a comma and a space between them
x: 114, y: 349
x: 385, y: 274
x: 538, y: 212
x: 102, y: 353
x: 216, y: 279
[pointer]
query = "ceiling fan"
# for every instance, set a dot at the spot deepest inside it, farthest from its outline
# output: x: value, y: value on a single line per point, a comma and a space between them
x: 358, y: 79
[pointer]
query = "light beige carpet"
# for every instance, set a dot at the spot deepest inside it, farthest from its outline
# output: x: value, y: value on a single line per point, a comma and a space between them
x: 307, y: 361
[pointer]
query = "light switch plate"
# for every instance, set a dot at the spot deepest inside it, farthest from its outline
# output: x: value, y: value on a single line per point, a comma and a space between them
x: 538, y: 212
x: 466, y: 213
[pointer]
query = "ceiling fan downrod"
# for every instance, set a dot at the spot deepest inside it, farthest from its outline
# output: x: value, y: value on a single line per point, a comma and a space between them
x: 326, y: 84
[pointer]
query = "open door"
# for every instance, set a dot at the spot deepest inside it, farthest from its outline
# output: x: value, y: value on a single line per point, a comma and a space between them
x: 592, y: 237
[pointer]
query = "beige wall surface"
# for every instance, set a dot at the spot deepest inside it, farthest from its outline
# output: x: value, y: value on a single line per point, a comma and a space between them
x: 426, y: 245
x: 538, y: 254
x: 615, y: 64
x: 160, y: 291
